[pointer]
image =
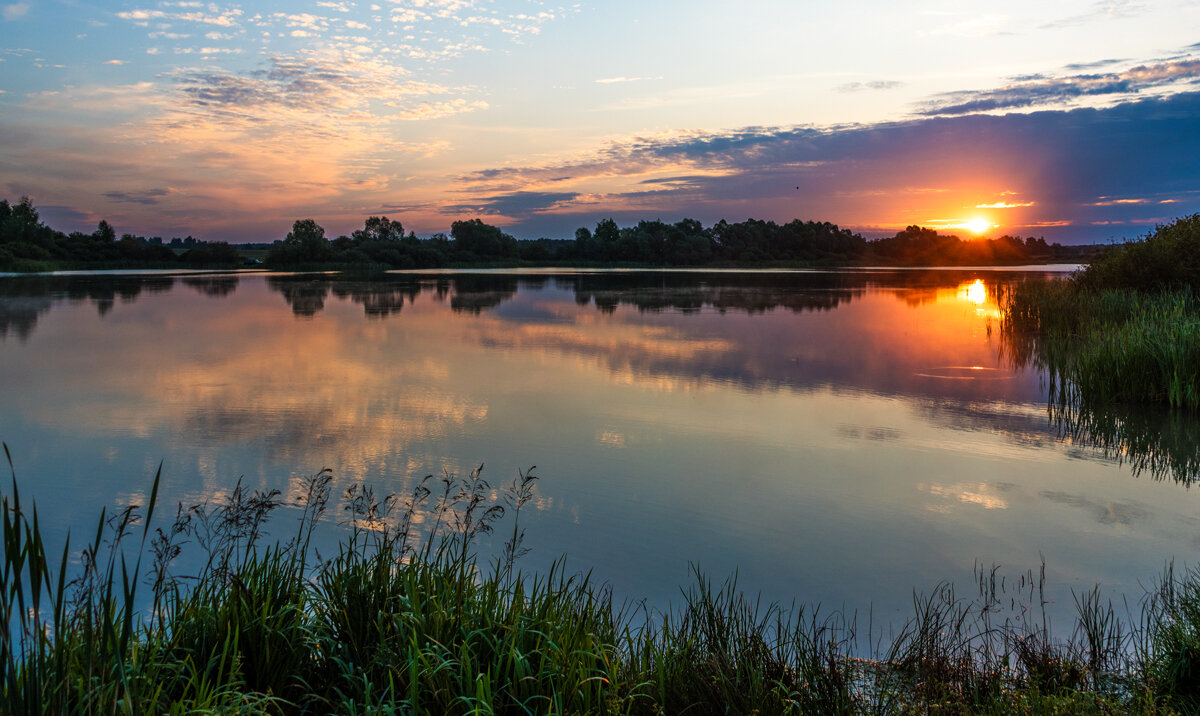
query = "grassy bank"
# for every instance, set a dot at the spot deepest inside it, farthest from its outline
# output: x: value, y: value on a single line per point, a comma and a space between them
x: 407, y: 617
x: 1125, y: 329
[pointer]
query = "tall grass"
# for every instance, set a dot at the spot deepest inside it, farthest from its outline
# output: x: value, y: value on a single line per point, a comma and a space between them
x: 406, y: 617
x: 1124, y: 330
x: 1111, y: 346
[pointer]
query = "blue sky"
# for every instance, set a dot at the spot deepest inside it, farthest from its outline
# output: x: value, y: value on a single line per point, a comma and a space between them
x: 1075, y: 120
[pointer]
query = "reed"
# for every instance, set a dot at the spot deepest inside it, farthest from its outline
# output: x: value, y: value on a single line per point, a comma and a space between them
x: 407, y: 618
x: 1111, y: 347
x: 1124, y: 330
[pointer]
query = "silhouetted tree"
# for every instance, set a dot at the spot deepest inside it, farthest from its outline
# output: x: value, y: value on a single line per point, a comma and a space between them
x: 20, y: 222
x: 379, y: 228
x: 306, y: 241
x: 484, y: 240
x: 105, y: 232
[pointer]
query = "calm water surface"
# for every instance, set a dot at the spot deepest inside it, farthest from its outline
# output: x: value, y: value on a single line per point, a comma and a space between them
x: 842, y: 438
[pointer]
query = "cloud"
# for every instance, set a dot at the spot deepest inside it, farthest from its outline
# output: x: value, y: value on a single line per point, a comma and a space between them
x: 304, y: 20
x: 141, y: 16
x: 520, y: 204
x: 98, y: 99
x: 1106, y: 512
x: 115, y: 62
x: 66, y: 217
x: 971, y: 27
x: 460, y: 16
x: 313, y: 107
x: 874, y: 86
x: 438, y: 110
x: 617, y: 80
x: 1035, y: 91
x: 677, y: 182
x: 225, y: 19
x: 214, y: 16
x: 16, y: 11
x: 1055, y: 166
x: 1080, y: 66
x: 314, y: 129
x: 1100, y: 11
x: 309, y: 81
x: 448, y: 30
x: 148, y: 197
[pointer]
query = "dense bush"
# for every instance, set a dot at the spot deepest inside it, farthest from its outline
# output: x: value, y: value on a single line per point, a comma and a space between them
x: 209, y: 253
x: 1168, y: 258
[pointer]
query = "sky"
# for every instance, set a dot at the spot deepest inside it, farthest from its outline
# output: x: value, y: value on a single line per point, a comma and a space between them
x: 1075, y: 120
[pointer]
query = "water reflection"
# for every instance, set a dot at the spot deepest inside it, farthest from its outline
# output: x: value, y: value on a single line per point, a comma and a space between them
x: 837, y: 435
x: 768, y: 351
x: 976, y: 292
x: 23, y: 300
x: 214, y: 286
x: 1164, y: 444
x: 690, y: 293
x: 19, y: 313
x: 475, y: 293
x: 305, y: 295
x: 1161, y: 443
x: 684, y: 292
x: 681, y: 337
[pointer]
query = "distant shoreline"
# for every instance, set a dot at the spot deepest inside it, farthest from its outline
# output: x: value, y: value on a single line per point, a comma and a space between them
x: 29, y: 246
x: 136, y: 270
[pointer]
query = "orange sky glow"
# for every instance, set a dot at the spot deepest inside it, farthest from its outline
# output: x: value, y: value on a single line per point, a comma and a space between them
x: 232, y: 120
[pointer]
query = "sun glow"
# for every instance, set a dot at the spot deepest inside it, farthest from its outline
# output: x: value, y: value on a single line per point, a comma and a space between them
x: 977, y: 226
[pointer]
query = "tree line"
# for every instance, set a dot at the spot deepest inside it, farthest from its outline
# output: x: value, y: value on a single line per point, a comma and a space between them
x: 27, y: 244
x: 657, y: 243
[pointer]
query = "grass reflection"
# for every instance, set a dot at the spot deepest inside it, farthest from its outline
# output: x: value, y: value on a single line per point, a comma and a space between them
x: 1161, y: 444
x: 1082, y: 344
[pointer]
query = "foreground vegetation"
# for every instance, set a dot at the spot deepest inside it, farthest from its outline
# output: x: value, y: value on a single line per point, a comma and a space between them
x: 406, y: 618
x: 1124, y: 330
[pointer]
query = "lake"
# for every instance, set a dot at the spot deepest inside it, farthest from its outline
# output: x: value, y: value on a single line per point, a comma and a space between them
x: 841, y: 438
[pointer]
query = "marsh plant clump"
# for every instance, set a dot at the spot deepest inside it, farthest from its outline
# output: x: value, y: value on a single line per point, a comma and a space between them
x: 1123, y: 331
x: 407, y: 617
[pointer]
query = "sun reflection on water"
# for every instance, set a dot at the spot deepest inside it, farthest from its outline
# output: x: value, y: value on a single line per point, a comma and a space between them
x: 975, y: 292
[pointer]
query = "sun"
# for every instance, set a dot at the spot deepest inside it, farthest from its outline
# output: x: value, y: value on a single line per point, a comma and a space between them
x: 977, y: 226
